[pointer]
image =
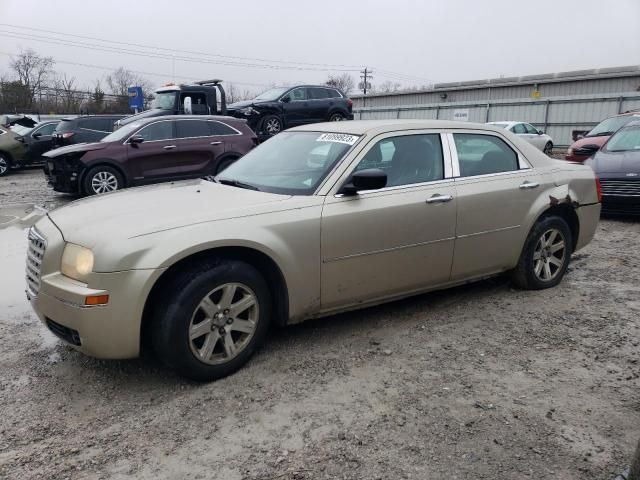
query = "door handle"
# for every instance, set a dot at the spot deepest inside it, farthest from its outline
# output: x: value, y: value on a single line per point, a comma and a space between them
x: 215, y: 143
x: 169, y: 147
x: 528, y: 185
x: 437, y: 198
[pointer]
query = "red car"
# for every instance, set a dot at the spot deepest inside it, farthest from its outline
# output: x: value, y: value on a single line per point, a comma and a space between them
x: 150, y: 150
x: 583, y: 148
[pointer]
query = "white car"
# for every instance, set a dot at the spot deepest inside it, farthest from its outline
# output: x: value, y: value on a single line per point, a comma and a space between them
x: 528, y: 132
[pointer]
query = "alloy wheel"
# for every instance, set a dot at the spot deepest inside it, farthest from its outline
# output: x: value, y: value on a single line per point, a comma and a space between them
x: 223, y: 323
x: 548, y: 149
x: 336, y: 117
x: 549, y: 255
x: 103, y: 182
x: 4, y: 166
x: 273, y: 126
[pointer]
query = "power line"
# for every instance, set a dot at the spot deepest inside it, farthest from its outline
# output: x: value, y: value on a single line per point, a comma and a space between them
x: 153, y: 74
x: 155, y: 47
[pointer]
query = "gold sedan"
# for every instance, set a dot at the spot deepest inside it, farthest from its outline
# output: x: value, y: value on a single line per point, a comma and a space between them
x: 319, y: 219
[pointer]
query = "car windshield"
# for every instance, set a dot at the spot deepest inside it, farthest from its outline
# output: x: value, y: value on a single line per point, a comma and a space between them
x: 624, y: 140
x: 291, y: 163
x: 272, y: 94
x: 164, y: 101
x: 611, y: 125
x: 122, y: 133
x: 20, y: 130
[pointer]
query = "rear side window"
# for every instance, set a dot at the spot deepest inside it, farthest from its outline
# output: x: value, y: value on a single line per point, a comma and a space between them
x: 157, y: 131
x: 192, y: 128
x: 483, y: 154
x: 318, y: 93
x: 530, y: 129
x: 219, y: 128
x: 518, y: 128
x: 331, y: 93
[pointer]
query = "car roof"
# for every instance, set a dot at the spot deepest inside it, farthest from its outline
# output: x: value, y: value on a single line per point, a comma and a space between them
x: 190, y: 117
x: 375, y: 127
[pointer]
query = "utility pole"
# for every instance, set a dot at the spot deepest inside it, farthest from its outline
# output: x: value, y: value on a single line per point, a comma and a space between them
x: 366, y: 76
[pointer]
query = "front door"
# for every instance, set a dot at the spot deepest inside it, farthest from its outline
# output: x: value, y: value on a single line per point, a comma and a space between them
x: 496, y: 189
x: 533, y: 137
x: 154, y: 158
x: 296, y: 110
x: 40, y: 143
x: 396, y: 240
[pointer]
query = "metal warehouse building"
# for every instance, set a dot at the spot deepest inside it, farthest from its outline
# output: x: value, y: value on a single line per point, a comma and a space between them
x: 558, y: 103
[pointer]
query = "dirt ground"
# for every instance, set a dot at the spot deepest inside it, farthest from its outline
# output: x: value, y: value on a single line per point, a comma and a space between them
x: 481, y: 381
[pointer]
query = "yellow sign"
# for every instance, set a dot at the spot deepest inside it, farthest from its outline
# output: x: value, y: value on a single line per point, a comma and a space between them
x: 535, y: 94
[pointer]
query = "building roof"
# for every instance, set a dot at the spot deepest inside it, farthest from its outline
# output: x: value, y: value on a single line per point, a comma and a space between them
x: 374, y: 127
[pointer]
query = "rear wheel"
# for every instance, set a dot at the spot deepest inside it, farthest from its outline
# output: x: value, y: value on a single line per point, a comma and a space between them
x: 545, y: 256
x: 102, y: 179
x: 211, y: 319
x: 5, y: 164
x: 336, y: 117
x: 548, y: 149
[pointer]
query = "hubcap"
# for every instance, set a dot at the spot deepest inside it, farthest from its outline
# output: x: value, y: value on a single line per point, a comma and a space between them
x: 273, y: 125
x: 223, y: 323
x: 103, y: 182
x: 549, y: 255
x: 3, y: 165
x: 336, y: 118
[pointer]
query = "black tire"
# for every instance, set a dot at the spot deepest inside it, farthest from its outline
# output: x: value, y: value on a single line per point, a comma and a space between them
x: 5, y: 164
x: 336, y: 117
x: 548, y: 149
x: 179, y: 304
x: 530, y: 271
x: 113, y: 180
x: 272, y: 125
x: 224, y: 163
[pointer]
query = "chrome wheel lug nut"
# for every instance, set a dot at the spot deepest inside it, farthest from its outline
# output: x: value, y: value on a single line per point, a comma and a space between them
x: 230, y: 321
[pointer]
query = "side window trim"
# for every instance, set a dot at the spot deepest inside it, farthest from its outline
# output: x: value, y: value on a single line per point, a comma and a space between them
x: 173, y: 132
x: 523, y: 164
x: 238, y: 132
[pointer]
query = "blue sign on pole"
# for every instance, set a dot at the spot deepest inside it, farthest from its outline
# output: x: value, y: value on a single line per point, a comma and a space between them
x: 136, y: 100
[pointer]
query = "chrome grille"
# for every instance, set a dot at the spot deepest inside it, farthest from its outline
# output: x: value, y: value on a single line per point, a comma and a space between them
x: 35, y: 253
x: 621, y: 188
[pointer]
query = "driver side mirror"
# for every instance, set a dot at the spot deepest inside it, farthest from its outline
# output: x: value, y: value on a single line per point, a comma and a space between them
x: 369, y: 179
x: 285, y: 99
x: 136, y: 140
x: 540, y: 132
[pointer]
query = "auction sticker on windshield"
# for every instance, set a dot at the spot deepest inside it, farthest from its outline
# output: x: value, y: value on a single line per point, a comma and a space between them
x: 337, y: 137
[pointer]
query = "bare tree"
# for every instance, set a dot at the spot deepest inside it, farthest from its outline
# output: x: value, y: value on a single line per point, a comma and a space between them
x: 343, y: 81
x: 234, y: 94
x: 67, y: 88
x: 387, y: 87
x: 32, y: 70
x: 121, y: 79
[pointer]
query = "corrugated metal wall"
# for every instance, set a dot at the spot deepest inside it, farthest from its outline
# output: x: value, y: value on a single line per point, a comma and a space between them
x: 563, y: 105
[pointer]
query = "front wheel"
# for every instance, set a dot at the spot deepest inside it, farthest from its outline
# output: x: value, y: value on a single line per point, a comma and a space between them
x: 102, y: 179
x: 211, y: 319
x: 545, y: 256
x: 5, y: 165
x: 272, y: 125
x: 548, y: 149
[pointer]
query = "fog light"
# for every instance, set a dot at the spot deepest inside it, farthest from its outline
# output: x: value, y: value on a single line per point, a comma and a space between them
x: 96, y: 300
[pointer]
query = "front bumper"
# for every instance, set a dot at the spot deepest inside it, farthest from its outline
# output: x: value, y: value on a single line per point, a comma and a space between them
x: 63, y: 176
x: 620, y: 205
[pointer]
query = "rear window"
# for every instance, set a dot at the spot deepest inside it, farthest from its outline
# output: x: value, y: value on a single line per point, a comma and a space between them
x: 66, y: 125
x: 99, y: 124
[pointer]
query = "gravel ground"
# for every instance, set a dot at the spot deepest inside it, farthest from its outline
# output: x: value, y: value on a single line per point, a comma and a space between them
x: 481, y: 381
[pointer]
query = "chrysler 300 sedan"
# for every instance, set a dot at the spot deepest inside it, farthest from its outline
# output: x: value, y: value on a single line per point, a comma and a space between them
x: 319, y: 219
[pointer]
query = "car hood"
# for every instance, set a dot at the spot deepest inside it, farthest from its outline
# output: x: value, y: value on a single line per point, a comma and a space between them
x: 247, y: 103
x: 615, y: 162
x: 135, y: 212
x: 590, y: 141
x: 78, y: 147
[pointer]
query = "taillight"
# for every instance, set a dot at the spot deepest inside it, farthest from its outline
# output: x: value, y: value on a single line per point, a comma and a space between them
x: 349, y: 103
x: 68, y: 134
x: 599, y: 190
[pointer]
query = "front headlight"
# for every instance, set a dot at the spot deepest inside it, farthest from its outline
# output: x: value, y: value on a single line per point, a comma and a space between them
x: 77, y: 261
x: 248, y: 111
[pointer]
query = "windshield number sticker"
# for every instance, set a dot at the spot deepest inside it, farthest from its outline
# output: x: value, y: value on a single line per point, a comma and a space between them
x: 337, y: 137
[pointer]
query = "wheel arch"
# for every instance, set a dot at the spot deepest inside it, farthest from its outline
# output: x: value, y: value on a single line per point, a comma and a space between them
x: 8, y: 155
x: 567, y: 212
x: 260, y: 260
x: 106, y: 162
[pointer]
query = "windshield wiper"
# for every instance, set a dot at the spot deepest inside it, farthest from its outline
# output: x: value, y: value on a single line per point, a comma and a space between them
x: 236, y: 183
x: 600, y: 134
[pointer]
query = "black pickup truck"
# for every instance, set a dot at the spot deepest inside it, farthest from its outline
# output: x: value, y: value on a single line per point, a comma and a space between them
x: 281, y: 108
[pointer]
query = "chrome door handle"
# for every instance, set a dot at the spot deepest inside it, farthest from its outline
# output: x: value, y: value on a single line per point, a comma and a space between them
x: 527, y: 185
x: 439, y: 198
x: 169, y: 147
x: 215, y: 143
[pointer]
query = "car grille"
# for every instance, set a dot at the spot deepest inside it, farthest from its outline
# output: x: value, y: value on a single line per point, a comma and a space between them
x: 35, y: 253
x: 65, y: 333
x: 621, y: 188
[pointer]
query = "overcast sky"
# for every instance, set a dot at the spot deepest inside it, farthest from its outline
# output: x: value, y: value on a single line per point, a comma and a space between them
x: 412, y: 42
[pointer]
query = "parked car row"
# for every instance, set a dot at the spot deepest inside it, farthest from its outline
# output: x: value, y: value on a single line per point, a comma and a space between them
x: 528, y: 132
x: 22, y: 146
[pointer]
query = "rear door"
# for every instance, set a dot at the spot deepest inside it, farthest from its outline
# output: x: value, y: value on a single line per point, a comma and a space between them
x: 318, y: 104
x: 198, y: 147
x: 496, y: 188
x: 156, y: 157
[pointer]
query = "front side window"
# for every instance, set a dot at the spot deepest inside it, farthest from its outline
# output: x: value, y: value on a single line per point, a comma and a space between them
x: 297, y: 94
x: 518, y: 129
x: 483, y: 154
x: 530, y: 129
x: 624, y: 140
x: 407, y: 159
x: 192, y: 128
x: 290, y: 163
x: 46, y: 130
x: 157, y: 131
